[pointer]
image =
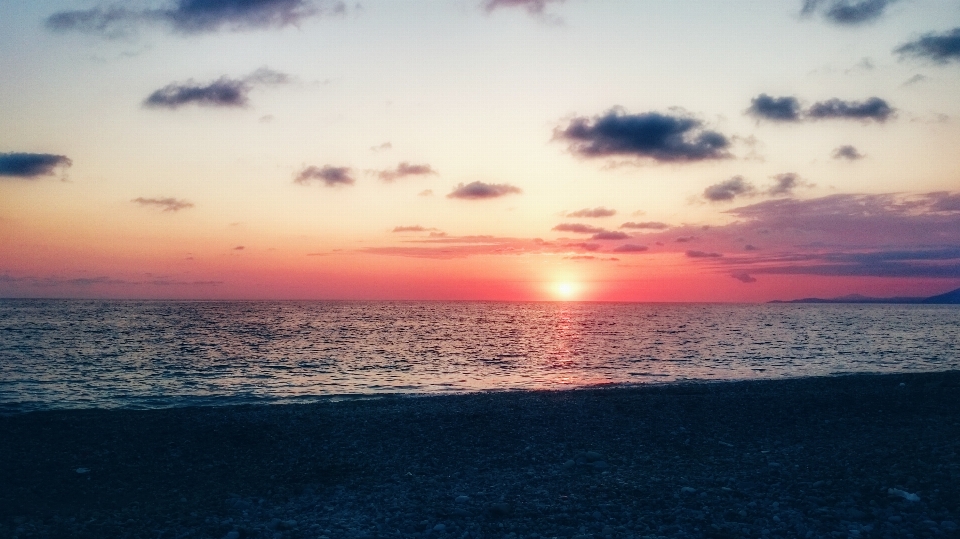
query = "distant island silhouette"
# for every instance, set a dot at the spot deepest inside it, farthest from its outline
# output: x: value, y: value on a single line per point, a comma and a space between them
x: 949, y: 298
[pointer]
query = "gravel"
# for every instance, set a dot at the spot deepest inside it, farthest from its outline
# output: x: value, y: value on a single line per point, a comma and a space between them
x: 848, y: 456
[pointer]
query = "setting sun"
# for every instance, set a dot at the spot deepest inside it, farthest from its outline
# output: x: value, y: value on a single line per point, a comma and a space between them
x: 565, y: 290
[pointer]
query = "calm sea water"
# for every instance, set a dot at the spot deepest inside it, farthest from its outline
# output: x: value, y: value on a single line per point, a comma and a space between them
x: 105, y: 354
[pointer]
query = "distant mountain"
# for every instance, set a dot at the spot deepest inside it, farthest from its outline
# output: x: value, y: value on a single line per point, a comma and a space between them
x: 950, y: 298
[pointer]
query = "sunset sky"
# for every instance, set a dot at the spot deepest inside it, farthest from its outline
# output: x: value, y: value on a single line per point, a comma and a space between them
x: 613, y: 150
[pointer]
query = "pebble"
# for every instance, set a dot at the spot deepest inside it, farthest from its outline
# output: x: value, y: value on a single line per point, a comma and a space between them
x: 440, y: 527
x: 462, y: 499
x: 232, y: 535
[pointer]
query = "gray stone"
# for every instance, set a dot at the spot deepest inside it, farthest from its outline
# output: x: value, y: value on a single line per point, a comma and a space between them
x: 462, y: 499
x: 440, y: 527
x: 232, y: 535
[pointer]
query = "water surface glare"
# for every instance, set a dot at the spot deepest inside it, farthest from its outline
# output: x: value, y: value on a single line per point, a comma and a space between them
x: 151, y: 354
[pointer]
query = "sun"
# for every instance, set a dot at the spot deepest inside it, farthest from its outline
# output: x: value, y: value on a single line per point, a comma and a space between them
x: 565, y: 290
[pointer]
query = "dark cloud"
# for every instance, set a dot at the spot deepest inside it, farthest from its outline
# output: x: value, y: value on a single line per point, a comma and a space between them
x: 646, y: 225
x: 331, y: 176
x: 610, y: 235
x: 405, y: 169
x: 702, y: 254
x: 533, y: 6
x: 578, y: 228
x: 631, y: 248
x: 685, y: 239
x: 481, y: 190
x: 784, y: 184
x: 749, y: 247
x: 594, y: 212
x: 778, y: 109
x: 847, y: 12
x: 743, y: 277
x: 873, y: 108
x: 728, y: 190
x: 166, y: 203
x: 940, y: 48
x: 944, y: 202
x: 239, y: 248
x: 193, y: 16
x: 223, y: 92
x: 847, y: 152
x: 652, y: 135
x: 31, y: 165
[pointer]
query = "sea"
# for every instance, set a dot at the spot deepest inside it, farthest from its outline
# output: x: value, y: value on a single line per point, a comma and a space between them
x: 67, y: 354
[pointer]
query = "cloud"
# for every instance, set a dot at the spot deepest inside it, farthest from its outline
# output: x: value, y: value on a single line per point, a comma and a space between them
x: 944, y: 202
x: 405, y: 169
x: 685, y: 239
x: 610, y: 235
x: 481, y: 190
x: 847, y: 152
x: 650, y: 135
x: 223, y: 92
x: 727, y: 190
x: 595, y: 212
x: 743, y: 277
x: 940, y: 48
x: 631, y: 248
x: 331, y: 176
x: 778, y: 109
x: 239, y: 248
x: 381, y: 147
x: 784, y: 184
x: 646, y: 225
x: 192, y: 16
x: 166, y: 203
x: 578, y: 228
x: 31, y: 165
x: 873, y: 108
x: 426, y: 193
x: 532, y: 6
x: 847, y: 12
x: 702, y: 254
x: 414, y: 228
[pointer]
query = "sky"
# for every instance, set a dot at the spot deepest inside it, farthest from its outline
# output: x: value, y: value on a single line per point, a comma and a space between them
x: 599, y: 150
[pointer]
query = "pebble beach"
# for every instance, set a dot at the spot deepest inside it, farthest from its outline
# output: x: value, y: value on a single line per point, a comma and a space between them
x: 846, y: 456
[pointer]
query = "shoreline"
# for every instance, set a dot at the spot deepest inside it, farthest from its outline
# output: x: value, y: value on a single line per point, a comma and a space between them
x: 684, y: 459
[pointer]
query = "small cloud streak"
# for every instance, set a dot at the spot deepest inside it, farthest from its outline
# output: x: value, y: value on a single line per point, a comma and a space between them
x: 941, y: 48
x: 646, y: 225
x: 192, y: 16
x: 405, y: 169
x: 413, y: 228
x: 727, y: 190
x: 31, y: 165
x: 578, y: 228
x: 481, y: 191
x: 743, y: 277
x: 167, y: 204
x: 667, y: 138
x: 595, y: 212
x: 873, y: 108
x: 777, y: 109
x: 223, y: 92
x: 847, y: 152
x: 631, y: 248
x: 532, y: 6
x: 784, y: 184
x: 607, y: 235
x: 330, y: 176
x: 847, y: 12
x: 702, y: 254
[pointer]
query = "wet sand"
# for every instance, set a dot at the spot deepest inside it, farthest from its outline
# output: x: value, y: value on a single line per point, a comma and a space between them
x: 813, y: 457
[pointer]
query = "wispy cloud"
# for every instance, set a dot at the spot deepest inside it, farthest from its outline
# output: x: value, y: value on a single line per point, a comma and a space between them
x: 702, y: 254
x: 789, y: 109
x: 578, y: 228
x: 669, y: 138
x: 847, y: 12
x: 167, y: 204
x: 481, y: 190
x: 848, y: 152
x: 223, y: 92
x: 608, y: 235
x: 631, y: 248
x: 593, y: 212
x: 532, y: 6
x: 743, y: 277
x: 330, y: 176
x: 778, y: 109
x: 192, y: 16
x: 413, y: 228
x: 784, y: 184
x: 728, y: 190
x: 31, y: 165
x: 873, y: 108
x: 941, y: 48
x: 405, y: 169
x: 646, y: 225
